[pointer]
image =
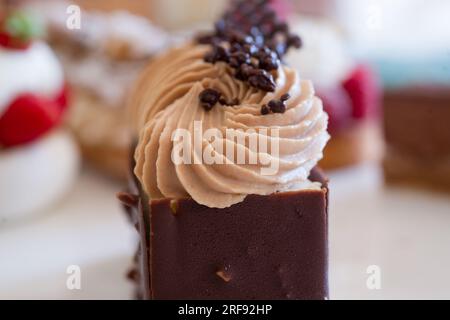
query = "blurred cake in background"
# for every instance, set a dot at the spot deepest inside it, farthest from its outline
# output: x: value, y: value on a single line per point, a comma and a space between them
x: 416, y: 120
x: 413, y: 59
x: 102, y: 60
x: 417, y: 132
x: 140, y: 7
x: 188, y: 13
x: 197, y: 13
x: 317, y: 8
x: 350, y: 91
x: 38, y: 161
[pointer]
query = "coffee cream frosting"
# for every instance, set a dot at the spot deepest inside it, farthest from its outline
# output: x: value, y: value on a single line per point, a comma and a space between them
x: 166, y: 98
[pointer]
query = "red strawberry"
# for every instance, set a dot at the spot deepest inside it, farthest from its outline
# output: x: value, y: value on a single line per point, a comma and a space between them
x: 26, y: 119
x: 364, y: 91
x: 62, y: 99
x: 338, y: 105
x: 5, y: 39
x: 10, y: 42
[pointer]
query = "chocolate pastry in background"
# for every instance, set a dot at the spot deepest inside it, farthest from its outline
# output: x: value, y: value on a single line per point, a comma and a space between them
x: 417, y: 132
x: 350, y: 90
x: 101, y: 61
x: 417, y: 101
x: 226, y: 229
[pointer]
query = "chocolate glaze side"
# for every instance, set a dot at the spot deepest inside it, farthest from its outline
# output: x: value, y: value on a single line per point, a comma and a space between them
x: 205, y: 253
x: 134, y: 202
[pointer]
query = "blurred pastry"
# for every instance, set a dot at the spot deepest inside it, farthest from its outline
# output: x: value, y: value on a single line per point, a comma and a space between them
x: 198, y: 13
x: 413, y: 60
x: 416, y: 120
x: 189, y: 13
x: 141, y: 7
x: 350, y: 92
x: 101, y: 61
x: 417, y: 131
x: 38, y: 161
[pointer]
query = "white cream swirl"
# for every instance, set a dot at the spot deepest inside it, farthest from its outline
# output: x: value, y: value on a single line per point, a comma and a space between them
x: 35, y: 70
x: 166, y: 98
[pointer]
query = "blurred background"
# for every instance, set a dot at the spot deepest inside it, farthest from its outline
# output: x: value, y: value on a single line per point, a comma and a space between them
x: 381, y: 67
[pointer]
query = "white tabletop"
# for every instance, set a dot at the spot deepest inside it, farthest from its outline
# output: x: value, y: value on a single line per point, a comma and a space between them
x: 406, y: 233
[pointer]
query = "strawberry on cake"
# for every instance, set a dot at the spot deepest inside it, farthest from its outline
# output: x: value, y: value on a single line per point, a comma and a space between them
x: 38, y: 161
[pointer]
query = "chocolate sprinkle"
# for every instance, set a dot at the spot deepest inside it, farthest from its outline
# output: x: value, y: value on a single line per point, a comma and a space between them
x: 252, y: 40
x: 239, y: 58
x: 276, y: 106
x: 209, y: 98
x: 268, y: 64
x: 285, y: 97
x: 219, y: 53
x: 262, y: 80
x: 295, y: 41
x: 265, y: 110
x: 244, y: 72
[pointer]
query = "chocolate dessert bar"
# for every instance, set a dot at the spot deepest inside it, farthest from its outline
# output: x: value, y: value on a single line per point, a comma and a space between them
x: 417, y: 132
x: 225, y: 193
x: 267, y: 247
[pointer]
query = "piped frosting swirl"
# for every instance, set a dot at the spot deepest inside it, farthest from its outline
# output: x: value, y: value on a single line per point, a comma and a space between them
x: 166, y: 98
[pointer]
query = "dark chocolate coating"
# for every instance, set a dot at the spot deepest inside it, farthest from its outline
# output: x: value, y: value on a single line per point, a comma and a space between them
x: 267, y: 247
x: 417, y: 133
x: 416, y: 121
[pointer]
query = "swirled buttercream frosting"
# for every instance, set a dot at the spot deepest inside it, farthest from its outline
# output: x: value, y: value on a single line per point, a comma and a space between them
x: 220, y: 155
